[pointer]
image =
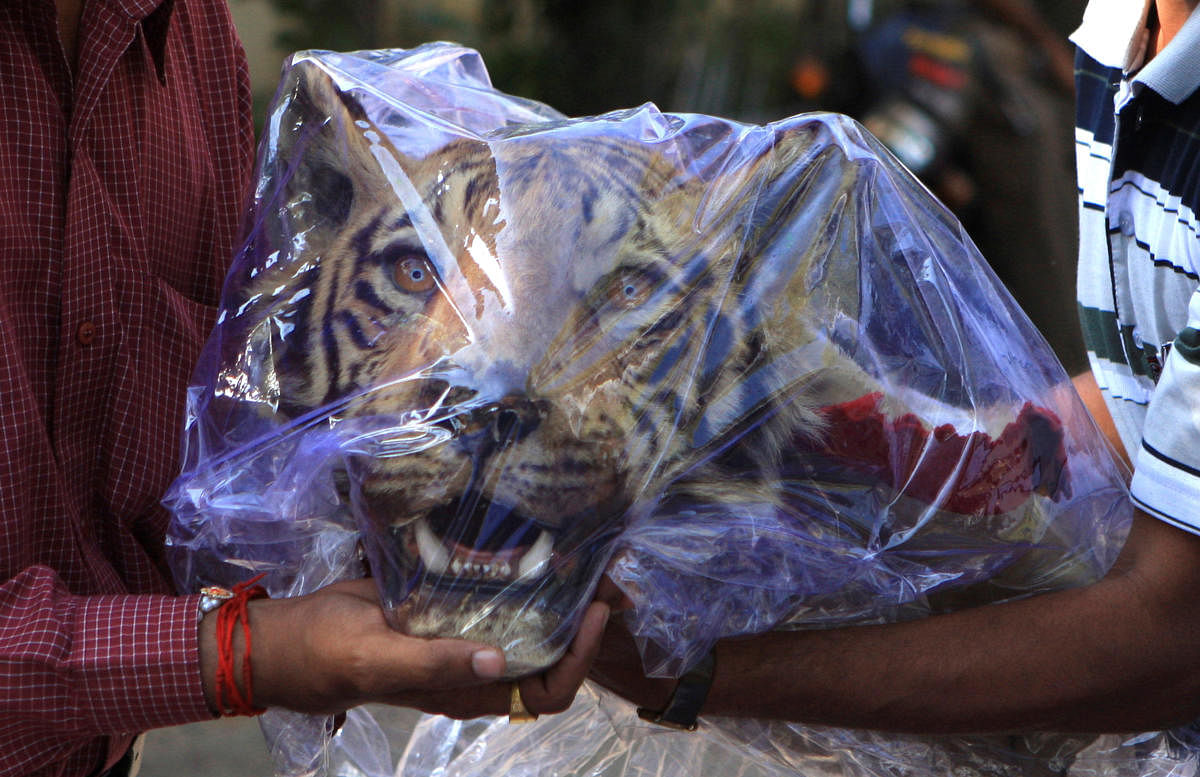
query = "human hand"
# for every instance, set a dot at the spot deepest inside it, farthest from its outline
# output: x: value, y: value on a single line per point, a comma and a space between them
x: 618, y: 665
x: 548, y: 692
x: 331, y: 650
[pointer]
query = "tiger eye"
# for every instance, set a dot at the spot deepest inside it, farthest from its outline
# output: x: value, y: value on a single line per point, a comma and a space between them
x: 414, y: 275
x: 631, y: 288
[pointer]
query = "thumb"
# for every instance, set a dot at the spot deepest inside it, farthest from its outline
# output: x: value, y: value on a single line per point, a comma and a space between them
x: 487, y: 663
x: 433, y: 664
x: 612, y: 595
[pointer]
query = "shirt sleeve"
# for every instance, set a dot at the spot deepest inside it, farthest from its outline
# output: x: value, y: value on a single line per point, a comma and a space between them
x: 81, y: 666
x: 1166, y: 479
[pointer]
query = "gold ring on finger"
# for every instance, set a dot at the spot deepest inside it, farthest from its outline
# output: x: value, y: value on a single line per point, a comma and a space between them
x: 517, y: 711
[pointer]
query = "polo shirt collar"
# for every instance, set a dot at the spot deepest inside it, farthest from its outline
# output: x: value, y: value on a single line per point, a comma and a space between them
x: 1175, y: 71
x: 1113, y: 32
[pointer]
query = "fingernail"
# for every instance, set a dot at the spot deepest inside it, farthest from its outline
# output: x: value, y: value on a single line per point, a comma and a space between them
x: 487, y: 664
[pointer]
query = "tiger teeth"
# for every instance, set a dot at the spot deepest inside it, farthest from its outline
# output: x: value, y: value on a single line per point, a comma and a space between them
x: 438, y: 560
x: 460, y: 568
x: 433, y: 554
x: 537, y: 558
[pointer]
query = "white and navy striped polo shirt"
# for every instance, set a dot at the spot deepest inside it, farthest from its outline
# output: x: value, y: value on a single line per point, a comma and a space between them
x: 1138, y: 151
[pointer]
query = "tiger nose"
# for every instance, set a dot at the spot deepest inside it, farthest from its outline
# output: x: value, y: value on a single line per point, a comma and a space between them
x: 500, y: 424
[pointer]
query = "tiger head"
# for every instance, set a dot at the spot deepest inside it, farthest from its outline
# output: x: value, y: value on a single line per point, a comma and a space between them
x: 533, y: 332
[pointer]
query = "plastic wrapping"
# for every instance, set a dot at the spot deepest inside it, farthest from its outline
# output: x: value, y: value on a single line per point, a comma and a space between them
x: 602, y: 736
x: 484, y: 352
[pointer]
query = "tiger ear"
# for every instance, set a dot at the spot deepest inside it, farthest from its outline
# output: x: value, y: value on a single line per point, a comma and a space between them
x: 322, y: 158
x: 782, y: 173
x: 798, y: 175
x: 316, y: 167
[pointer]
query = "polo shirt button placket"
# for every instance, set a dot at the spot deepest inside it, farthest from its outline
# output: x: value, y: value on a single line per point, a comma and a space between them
x: 85, y: 333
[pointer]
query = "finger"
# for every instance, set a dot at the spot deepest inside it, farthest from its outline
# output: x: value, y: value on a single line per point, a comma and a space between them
x: 413, y: 663
x: 553, y: 690
x: 583, y: 649
x: 612, y: 595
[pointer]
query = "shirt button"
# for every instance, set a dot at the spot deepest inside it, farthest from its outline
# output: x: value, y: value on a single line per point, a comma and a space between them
x: 86, y: 333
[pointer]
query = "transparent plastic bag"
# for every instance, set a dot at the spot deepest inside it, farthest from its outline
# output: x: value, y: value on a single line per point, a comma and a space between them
x: 601, y: 735
x: 484, y: 352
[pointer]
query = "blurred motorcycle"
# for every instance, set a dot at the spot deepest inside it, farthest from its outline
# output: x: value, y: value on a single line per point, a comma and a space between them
x: 974, y: 98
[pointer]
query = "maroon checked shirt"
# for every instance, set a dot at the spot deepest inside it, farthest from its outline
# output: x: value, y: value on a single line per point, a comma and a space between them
x: 120, y: 189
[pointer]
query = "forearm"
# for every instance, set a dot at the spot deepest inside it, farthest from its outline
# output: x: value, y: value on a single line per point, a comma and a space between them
x: 1093, y: 400
x: 95, y: 665
x: 1121, y: 655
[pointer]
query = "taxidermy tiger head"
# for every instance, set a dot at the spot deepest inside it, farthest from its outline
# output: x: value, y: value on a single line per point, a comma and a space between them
x: 535, y: 331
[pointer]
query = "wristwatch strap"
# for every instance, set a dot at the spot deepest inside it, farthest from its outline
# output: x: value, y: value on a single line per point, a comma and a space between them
x: 684, y: 705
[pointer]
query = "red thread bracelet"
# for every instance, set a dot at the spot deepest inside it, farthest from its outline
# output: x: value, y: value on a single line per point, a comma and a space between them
x: 228, y: 615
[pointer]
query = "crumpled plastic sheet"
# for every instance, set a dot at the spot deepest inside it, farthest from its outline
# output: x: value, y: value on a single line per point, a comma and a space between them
x: 602, y: 735
x: 769, y: 382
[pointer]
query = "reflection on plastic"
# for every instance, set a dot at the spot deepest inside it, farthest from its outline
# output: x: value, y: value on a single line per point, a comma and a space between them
x: 486, y: 353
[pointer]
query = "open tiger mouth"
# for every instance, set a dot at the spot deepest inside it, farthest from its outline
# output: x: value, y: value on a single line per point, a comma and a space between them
x: 483, y: 570
x: 509, y: 566
x: 473, y: 539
